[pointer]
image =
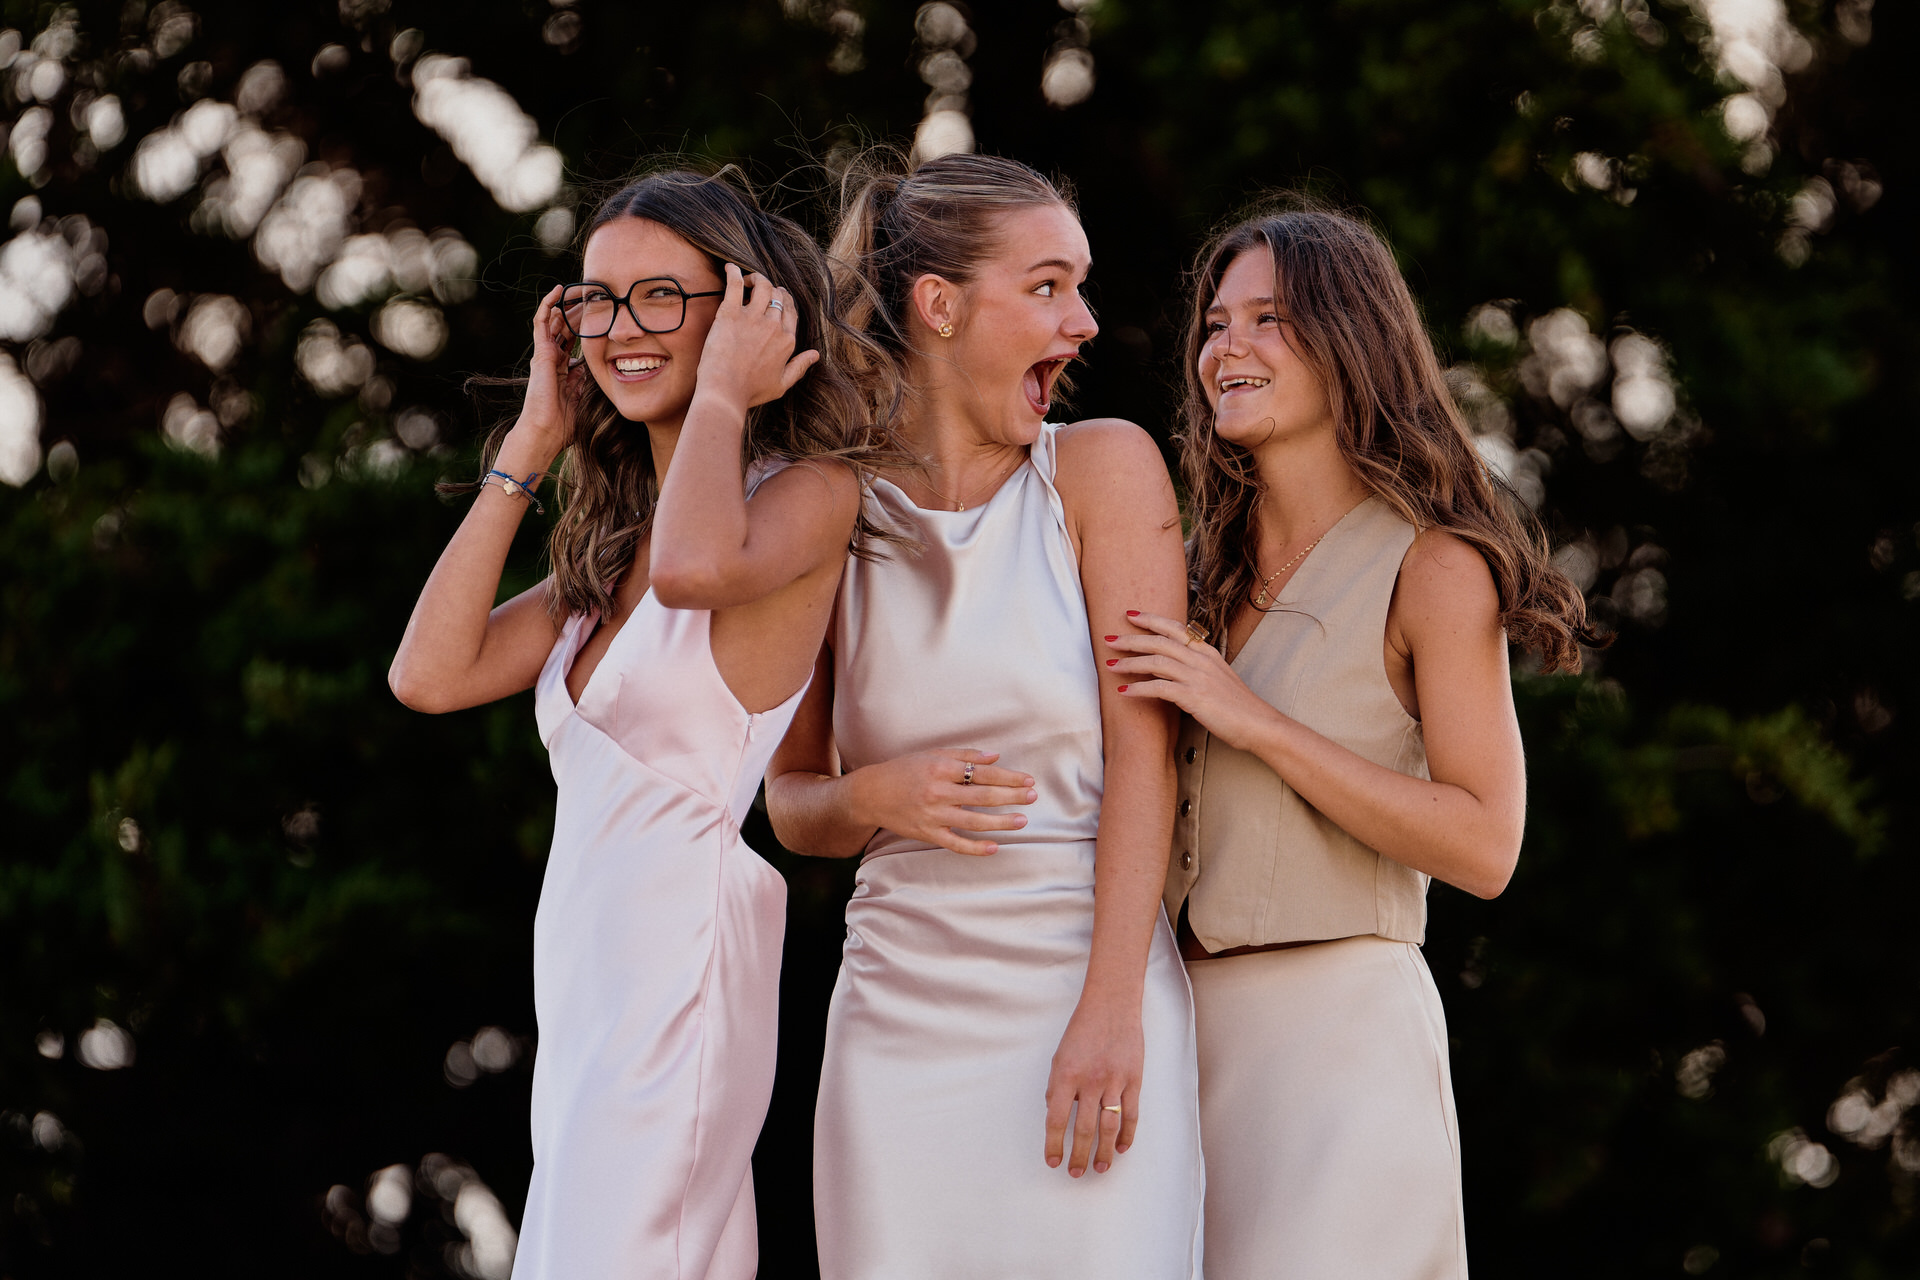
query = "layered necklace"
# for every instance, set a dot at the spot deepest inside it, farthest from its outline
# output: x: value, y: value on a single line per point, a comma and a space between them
x: 1261, y: 599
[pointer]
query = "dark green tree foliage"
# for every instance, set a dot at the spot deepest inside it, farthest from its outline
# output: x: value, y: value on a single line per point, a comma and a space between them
x: 264, y: 934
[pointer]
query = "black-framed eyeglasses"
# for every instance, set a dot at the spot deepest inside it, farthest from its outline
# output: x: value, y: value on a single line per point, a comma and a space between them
x: 658, y: 305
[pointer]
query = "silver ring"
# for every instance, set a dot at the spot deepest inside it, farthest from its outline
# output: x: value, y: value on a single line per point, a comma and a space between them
x: 966, y: 776
x: 774, y: 304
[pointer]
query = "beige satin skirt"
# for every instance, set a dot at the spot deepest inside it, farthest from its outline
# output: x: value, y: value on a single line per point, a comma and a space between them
x: 957, y: 981
x: 1326, y: 1116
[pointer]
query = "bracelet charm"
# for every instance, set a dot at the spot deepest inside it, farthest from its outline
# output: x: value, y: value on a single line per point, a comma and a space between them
x: 516, y: 488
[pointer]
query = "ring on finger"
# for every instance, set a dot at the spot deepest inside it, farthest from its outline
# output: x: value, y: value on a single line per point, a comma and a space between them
x: 1196, y: 634
x: 774, y: 304
x: 966, y: 775
x: 1113, y: 1106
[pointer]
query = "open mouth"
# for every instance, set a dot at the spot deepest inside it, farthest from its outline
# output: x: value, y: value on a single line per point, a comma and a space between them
x: 636, y: 368
x: 1039, y: 382
x: 1242, y: 382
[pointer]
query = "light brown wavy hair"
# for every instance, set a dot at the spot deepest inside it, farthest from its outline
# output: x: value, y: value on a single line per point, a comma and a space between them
x: 606, y: 485
x: 899, y: 221
x: 1354, y: 323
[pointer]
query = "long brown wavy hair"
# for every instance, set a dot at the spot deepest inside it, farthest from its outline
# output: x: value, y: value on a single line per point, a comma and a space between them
x: 899, y: 221
x: 606, y: 485
x: 1355, y: 324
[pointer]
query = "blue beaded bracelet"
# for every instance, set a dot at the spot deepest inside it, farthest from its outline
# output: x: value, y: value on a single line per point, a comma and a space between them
x: 515, y: 488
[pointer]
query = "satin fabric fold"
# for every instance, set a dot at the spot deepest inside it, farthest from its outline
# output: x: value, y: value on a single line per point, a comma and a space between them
x: 656, y: 964
x: 959, y: 974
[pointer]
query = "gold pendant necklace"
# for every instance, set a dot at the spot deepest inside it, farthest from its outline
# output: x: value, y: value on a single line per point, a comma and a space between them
x: 960, y: 503
x: 1261, y: 600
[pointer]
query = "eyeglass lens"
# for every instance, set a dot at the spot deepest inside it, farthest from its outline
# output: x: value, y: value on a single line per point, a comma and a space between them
x: 658, y: 306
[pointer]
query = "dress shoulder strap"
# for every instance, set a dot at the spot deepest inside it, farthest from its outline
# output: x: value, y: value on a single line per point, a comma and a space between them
x: 763, y: 470
x: 1044, y: 454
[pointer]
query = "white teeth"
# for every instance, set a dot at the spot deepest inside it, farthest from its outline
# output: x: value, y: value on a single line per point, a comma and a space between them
x: 638, y: 364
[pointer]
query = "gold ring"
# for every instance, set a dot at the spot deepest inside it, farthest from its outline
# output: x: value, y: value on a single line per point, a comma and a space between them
x: 1196, y: 634
x: 1112, y: 1107
x: 966, y: 777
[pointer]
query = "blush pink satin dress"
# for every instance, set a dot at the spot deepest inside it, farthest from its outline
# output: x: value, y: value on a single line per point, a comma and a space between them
x: 656, y: 960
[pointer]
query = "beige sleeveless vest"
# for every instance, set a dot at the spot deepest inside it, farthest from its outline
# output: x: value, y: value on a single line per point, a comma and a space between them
x: 1253, y: 862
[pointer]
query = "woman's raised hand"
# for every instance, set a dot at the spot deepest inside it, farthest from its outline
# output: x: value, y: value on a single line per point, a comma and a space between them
x: 1167, y: 663
x: 936, y: 795
x: 749, y: 355
x: 554, y: 383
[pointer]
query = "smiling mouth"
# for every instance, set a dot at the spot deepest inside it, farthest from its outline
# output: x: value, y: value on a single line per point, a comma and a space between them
x: 1039, y: 382
x: 1242, y: 382
x: 635, y: 367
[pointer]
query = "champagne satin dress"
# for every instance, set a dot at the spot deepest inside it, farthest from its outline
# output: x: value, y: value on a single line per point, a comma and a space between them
x: 656, y: 963
x: 959, y: 973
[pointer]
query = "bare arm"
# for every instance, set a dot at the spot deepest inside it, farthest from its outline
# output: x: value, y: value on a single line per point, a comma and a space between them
x: 458, y: 650
x: 1121, y: 505
x: 1463, y: 826
x: 818, y: 811
x: 711, y: 549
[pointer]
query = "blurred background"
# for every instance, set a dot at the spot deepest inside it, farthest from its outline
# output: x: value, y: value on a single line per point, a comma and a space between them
x: 265, y: 989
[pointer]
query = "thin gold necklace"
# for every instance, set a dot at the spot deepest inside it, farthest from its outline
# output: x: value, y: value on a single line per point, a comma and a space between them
x: 1260, y: 599
x: 960, y: 503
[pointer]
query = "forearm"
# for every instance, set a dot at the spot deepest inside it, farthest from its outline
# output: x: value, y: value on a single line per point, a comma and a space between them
x: 446, y: 636
x: 1130, y: 865
x: 1437, y: 828
x: 812, y: 815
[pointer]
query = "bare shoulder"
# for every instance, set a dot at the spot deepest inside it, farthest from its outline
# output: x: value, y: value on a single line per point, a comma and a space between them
x: 1105, y: 442
x: 1112, y: 457
x: 1445, y: 583
x: 828, y: 482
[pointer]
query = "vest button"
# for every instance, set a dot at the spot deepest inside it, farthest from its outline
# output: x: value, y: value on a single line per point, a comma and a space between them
x: 1192, y: 753
x: 1186, y: 862
x: 1186, y: 807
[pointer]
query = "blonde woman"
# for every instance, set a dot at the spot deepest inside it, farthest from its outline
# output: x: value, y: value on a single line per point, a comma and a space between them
x: 1009, y: 1079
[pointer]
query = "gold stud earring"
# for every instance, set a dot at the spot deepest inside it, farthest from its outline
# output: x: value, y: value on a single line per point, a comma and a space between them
x: 946, y: 330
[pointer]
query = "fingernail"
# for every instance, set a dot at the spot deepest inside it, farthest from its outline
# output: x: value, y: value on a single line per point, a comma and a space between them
x: 1133, y: 613
x: 1074, y: 1173
x: 1121, y: 1147
x: 1121, y: 689
x: 1110, y: 639
x: 1032, y: 795
x: 1099, y: 1168
x: 1053, y: 1162
x: 1113, y: 662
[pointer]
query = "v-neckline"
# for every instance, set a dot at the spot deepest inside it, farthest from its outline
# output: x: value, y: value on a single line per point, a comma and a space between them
x: 1280, y: 602
x: 600, y: 666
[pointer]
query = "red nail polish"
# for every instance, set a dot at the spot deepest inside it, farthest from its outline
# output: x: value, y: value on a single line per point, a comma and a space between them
x: 1113, y: 661
x: 1133, y: 613
x: 1110, y: 639
x: 1121, y: 689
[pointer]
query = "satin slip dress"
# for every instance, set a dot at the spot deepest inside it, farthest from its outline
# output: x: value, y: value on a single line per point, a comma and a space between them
x: 959, y: 973
x: 656, y: 963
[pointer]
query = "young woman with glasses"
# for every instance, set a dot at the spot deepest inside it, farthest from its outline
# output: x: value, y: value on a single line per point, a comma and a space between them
x: 706, y: 508
x: 1349, y: 735
x: 1008, y: 1087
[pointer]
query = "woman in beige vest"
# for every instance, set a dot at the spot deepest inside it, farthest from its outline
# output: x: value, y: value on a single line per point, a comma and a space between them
x: 1351, y: 737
